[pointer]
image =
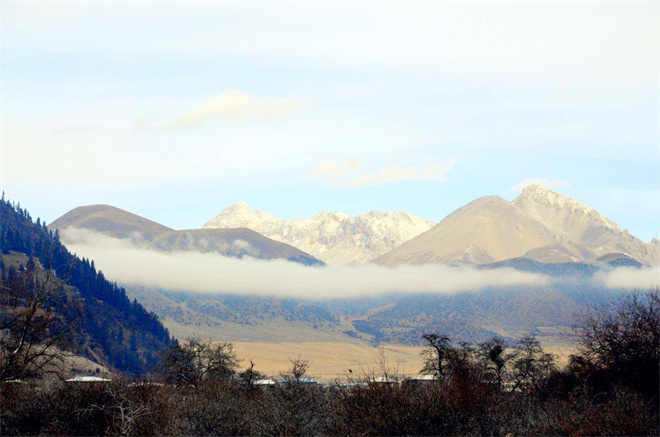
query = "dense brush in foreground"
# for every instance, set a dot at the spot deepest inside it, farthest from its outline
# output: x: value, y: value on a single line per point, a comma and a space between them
x: 462, y: 406
x: 609, y: 388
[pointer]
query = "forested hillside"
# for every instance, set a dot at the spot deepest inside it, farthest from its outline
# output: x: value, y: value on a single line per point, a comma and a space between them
x: 109, y: 327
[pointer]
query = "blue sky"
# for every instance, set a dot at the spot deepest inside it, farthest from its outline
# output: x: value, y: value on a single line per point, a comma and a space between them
x: 176, y: 110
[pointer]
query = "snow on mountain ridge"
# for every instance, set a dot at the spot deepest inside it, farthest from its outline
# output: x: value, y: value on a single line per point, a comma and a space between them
x: 544, y: 196
x: 539, y: 223
x: 574, y: 221
x: 333, y: 237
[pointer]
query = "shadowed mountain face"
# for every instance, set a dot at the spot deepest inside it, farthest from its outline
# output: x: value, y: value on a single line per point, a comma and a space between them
x: 231, y: 242
x: 548, y: 310
x: 539, y: 224
x: 561, y: 253
x: 148, y: 234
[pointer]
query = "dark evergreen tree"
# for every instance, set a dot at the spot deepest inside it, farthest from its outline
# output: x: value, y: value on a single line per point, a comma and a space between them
x: 31, y: 266
x: 105, y: 306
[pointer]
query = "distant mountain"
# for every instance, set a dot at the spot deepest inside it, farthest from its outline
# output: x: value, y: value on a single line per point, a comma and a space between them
x: 236, y: 243
x: 539, y: 224
x: 110, y: 221
x: 573, y: 221
x: 564, y: 252
x: 331, y: 237
x: 618, y: 260
x: 148, y: 234
x: 110, y: 329
x: 485, y: 230
x: 548, y: 310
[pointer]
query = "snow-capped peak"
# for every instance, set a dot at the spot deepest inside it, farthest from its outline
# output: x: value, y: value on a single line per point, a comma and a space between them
x: 239, y: 207
x: 537, y: 194
x: 333, y: 237
x: 337, y: 216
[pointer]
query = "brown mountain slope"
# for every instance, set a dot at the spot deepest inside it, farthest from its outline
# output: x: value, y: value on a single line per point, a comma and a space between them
x: 571, y: 220
x: 110, y: 221
x: 485, y: 230
x: 564, y: 252
x: 145, y: 233
x: 237, y: 242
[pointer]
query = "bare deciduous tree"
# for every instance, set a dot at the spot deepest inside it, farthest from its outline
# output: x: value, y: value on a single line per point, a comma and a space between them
x: 624, y: 341
x: 34, y: 334
x: 529, y: 363
x: 494, y: 358
x: 441, y: 357
x: 197, y: 360
x: 297, y: 371
x: 249, y: 376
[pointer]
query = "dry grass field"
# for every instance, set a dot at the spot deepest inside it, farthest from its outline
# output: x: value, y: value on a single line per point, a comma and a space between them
x: 330, y: 360
x: 330, y: 354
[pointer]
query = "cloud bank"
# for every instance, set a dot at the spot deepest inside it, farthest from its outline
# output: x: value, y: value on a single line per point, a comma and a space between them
x: 351, y: 172
x: 236, y: 105
x: 628, y: 277
x: 214, y: 273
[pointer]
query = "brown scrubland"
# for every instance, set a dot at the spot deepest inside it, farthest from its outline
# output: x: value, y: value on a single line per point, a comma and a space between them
x: 609, y: 386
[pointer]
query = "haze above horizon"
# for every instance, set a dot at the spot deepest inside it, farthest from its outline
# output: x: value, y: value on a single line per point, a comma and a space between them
x: 175, y: 111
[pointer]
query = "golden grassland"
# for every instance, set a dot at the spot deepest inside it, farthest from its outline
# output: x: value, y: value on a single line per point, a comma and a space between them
x: 330, y: 360
x: 330, y: 354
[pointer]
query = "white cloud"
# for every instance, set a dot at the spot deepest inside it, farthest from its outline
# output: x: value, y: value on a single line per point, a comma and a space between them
x: 547, y: 183
x: 214, y: 273
x: 335, y: 171
x: 391, y: 173
x: 236, y: 105
x: 351, y: 172
x: 632, y: 278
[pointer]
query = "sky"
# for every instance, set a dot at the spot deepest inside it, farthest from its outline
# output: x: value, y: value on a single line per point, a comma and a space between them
x: 176, y: 110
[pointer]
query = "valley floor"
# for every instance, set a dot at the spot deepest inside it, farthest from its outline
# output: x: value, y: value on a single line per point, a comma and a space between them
x: 331, y: 360
x: 330, y: 355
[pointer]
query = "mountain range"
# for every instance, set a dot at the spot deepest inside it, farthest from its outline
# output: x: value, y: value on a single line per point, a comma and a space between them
x: 539, y: 224
x: 144, y: 233
x: 332, y: 237
x: 540, y: 231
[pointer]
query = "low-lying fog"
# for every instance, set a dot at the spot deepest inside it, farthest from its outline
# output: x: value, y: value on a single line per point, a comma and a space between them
x: 123, y: 261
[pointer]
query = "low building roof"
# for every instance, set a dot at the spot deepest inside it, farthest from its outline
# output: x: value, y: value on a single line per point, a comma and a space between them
x: 425, y: 377
x: 87, y: 379
x: 384, y: 379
